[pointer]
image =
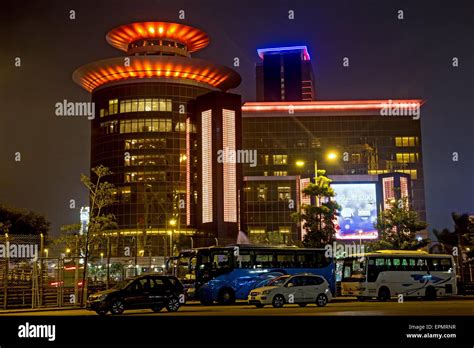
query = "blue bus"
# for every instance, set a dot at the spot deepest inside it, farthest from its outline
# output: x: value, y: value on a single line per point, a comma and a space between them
x: 226, y: 274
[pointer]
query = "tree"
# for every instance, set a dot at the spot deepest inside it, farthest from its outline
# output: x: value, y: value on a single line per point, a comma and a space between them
x: 319, y: 219
x: 101, y: 195
x: 22, y: 222
x: 397, y: 227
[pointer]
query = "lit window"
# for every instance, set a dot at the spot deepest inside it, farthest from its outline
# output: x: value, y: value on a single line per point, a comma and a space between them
x: 280, y: 159
x: 406, y: 141
x: 113, y: 106
x: 280, y: 173
x: 407, y: 157
x: 262, y: 193
x: 284, y: 193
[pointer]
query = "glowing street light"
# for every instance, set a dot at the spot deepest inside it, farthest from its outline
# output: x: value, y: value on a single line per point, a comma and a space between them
x: 300, y: 163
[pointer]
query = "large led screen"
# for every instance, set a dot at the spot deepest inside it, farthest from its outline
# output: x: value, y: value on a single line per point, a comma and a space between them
x: 358, y: 212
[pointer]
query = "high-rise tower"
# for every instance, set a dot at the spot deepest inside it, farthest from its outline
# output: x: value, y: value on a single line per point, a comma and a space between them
x: 151, y: 136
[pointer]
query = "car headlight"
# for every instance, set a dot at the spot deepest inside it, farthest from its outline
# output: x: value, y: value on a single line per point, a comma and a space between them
x: 265, y: 292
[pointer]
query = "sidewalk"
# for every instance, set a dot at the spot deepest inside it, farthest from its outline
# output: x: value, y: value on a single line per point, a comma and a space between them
x: 41, y: 309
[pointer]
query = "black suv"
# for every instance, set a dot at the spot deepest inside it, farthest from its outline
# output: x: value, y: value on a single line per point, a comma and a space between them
x: 146, y: 291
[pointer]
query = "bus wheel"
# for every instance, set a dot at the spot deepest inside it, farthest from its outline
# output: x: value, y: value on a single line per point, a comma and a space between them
x: 226, y: 297
x: 384, y: 294
x: 278, y: 301
x: 430, y: 293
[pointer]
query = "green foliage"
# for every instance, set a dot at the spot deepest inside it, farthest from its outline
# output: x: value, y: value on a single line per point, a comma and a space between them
x: 397, y: 227
x: 319, y: 219
x: 21, y: 221
x: 463, y: 229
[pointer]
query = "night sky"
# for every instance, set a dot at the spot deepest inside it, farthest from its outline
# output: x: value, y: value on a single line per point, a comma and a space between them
x: 389, y: 58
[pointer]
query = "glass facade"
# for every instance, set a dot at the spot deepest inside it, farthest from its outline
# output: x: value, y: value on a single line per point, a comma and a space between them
x: 267, y: 209
x: 142, y: 138
x: 365, y: 144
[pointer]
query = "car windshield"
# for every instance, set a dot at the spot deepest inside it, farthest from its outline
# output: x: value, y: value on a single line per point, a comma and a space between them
x: 122, y: 284
x: 278, y: 281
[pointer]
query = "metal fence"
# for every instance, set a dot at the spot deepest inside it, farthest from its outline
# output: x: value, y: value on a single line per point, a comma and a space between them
x: 30, y: 281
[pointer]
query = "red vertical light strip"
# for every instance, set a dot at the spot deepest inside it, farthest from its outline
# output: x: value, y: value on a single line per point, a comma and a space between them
x: 206, y: 174
x: 229, y: 166
x: 188, y: 171
x: 388, y: 192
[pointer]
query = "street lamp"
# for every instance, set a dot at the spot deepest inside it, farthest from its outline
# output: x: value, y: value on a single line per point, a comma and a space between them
x: 172, y: 223
x: 330, y: 156
x: 46, y: 252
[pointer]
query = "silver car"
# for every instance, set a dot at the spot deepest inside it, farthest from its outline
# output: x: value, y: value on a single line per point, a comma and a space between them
x: 300, y: 289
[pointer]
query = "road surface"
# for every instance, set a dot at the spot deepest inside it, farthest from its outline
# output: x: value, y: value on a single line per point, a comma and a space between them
x: 445, y: 307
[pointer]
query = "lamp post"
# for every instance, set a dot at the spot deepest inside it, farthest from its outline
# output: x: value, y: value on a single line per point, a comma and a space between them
x: 330, y: 156
x: 172, y: 223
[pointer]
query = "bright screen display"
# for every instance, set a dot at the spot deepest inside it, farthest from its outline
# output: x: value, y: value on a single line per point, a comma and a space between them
x: 358, y: 212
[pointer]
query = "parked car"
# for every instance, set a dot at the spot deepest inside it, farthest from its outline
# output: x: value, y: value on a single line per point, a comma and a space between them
x: 146, y: 291
x: 301, y: 289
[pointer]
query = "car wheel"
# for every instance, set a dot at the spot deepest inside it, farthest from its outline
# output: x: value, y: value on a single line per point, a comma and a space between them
x: 278, y: 301
x: 430, y: 293
x: 156, y: 309
x: 226, y: 297
x: 302, y: 304
x: 101, y: 312
x: 117, y: 307
x: 321, y: 300
x: 173, y: 304
x: 384, y: 294
x: 259, y: 305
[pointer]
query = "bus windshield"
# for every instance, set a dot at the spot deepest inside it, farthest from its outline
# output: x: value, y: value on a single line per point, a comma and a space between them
x: 186, y: 266
x: 354, y: 270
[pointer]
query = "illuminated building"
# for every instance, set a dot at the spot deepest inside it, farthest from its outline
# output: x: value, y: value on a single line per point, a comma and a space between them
x: 284, y: 74
x: 370, y: 140
x: 160, y: 112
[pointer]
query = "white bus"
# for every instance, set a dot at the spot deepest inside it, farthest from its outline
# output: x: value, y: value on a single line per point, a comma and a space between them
x: 387, y: 273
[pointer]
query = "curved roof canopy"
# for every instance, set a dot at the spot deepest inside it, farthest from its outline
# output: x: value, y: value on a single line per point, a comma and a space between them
x: 96, y: 74
x: 120, y: 37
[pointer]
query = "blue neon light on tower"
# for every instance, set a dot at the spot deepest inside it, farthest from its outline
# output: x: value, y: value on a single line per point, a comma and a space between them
x: 285, y: 74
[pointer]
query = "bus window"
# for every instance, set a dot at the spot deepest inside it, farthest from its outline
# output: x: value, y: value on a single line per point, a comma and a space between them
x: 220, y: 259
x: 412, y: 265
x: 421, y: 264
x: 404, y: 264
x: 446, y: 264
x: 285, y: 260
x: 311, y: 259
x: 263, y: 259
x: 396, y: 264
x: 244, y: 260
